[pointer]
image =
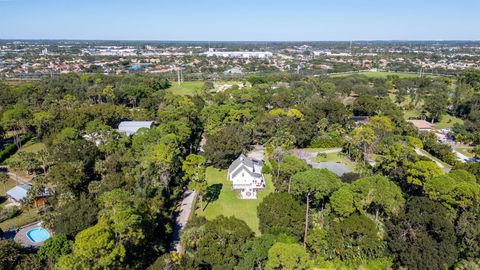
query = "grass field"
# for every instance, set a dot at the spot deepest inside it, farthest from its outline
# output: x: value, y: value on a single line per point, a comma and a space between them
x: 229, y: 203
x: 336, y: 157
x: 448, y: 121
x: 27, y: 216
x: 186, y: 88
x: 30, y: 147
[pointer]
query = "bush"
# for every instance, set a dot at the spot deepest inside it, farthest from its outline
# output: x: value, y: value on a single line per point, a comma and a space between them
x: 11, y: 149
x: 329, y: 140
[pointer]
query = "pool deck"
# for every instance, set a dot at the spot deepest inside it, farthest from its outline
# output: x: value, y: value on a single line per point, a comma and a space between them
x: 22, y: 238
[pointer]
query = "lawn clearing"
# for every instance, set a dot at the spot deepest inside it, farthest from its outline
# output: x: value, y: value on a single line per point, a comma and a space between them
x: 447, y: 121
x: 335, y: 157
x: 26, y: 217
x: 229, y: 203
x: 29, y: 147
x: 186, y: 88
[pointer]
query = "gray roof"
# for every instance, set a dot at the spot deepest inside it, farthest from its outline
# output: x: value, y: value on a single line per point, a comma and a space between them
x: 131, y: 127
x: 19, y: 192
x: 247, y: 164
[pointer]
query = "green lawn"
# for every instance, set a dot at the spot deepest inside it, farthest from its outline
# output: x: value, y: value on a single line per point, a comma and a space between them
x: 447, y: 121
x: 29, y: 147
x: 336, y: 157
x: 229, y: 203
x: 186, y: 88
x: 27, y: 216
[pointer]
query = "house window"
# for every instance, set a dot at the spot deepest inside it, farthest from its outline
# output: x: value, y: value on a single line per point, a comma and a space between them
x: 243, y: 175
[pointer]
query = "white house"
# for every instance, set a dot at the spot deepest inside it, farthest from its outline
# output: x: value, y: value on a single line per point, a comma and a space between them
x: 131, y: 127
x: 246, y: 176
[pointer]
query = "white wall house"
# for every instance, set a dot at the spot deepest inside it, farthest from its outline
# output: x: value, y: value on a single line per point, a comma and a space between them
x: 246, y: 176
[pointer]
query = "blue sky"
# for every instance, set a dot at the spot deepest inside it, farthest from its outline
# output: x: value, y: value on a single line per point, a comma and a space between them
x: 240, y: 19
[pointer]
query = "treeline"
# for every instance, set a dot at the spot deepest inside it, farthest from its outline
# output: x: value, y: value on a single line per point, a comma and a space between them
x: 113, y: 196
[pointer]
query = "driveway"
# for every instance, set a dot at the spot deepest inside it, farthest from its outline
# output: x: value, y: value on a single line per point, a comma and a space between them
x: 309, y: 157
x: 183, y: 215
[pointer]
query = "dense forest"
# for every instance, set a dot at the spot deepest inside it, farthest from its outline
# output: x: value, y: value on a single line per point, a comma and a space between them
x: 113, y: 198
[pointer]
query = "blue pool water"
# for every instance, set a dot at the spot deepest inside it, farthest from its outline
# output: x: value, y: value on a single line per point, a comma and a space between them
x: 37, y: 235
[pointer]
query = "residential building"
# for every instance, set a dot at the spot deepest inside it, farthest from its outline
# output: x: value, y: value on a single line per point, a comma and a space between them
x: 422, y: 125
x: 246, y: 176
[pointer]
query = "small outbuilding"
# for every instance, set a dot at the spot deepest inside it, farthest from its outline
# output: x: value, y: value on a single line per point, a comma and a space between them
x: 18, y: 193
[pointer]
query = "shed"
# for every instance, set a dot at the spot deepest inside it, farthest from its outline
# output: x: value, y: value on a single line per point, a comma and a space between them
x: 18, y: 193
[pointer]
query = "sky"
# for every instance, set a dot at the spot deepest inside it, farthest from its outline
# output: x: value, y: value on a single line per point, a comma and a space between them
x: 241, y: 20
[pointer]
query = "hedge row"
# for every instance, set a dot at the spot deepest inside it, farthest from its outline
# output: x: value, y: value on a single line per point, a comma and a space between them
x: 12, y: 149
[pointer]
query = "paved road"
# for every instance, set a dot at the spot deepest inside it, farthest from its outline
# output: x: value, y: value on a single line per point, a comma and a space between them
x: 183, y: 216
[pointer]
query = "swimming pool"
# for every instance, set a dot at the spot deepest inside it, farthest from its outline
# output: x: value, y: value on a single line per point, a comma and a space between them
x: 38, y: 235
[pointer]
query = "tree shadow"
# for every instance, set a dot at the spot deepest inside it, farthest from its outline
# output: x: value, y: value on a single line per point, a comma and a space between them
x: 212, y: 194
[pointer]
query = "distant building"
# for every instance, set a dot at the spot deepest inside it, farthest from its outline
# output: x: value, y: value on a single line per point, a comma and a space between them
x: 233, y: 71
x: 246, y: 176
x: 238, y: 54
x: 132, y: 127
x: 422, y: 125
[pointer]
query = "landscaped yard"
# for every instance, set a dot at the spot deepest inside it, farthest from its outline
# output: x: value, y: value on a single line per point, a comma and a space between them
x: 27, y: 216
x: 229, y: 203
x: 29, y: 147
x: 447, y: 121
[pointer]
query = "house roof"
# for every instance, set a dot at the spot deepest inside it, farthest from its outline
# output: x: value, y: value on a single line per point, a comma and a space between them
x: 19, y: 192
x: 131, y: 127
x: 421, y: 124
x: 243, y: 162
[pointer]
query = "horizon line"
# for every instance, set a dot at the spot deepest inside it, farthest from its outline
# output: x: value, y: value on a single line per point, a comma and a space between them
x: 192, y: 40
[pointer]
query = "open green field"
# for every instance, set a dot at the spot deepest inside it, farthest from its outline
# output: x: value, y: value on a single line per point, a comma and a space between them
x: 336, y: 157
x: 29, y: 147
x: 383, y: 74
x: 229, y: 203
x: 186, y: 88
